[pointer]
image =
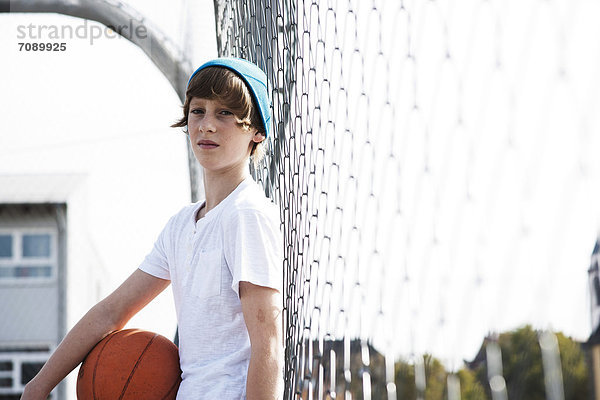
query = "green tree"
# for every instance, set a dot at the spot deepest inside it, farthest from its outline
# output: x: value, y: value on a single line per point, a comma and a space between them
x: 521, y: 361
x: 435, y: 379
x: 574, y: 368
x: 470, y: 387
x: 405, y: 380
x: 523, y: 367
x: 522, y: 364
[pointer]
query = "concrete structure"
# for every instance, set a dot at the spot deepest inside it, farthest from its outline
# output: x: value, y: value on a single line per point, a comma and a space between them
x: 36, y: 279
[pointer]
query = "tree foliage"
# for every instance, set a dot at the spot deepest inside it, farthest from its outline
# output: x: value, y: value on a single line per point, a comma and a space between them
x: 470, y: 387
x: 435, y: 379
x: 574, y: 369
x: 522, y: 365
x: 523, y: 368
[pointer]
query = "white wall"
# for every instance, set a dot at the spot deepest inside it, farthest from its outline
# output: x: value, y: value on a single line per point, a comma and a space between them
x: 101, y: 110
x: 36, y: 299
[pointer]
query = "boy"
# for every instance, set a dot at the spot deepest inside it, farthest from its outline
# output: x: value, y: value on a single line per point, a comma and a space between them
x: 223, y: 255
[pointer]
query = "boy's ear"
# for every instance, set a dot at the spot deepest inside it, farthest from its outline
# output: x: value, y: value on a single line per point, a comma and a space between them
x: 258, y: 137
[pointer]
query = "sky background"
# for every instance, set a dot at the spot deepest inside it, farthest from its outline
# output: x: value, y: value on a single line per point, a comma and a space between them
x: 104, y: 110
x: 100, y: 109
x: 458, y: 153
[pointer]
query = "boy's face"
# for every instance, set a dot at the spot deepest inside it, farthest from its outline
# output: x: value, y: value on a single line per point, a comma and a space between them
x: 218, y: 141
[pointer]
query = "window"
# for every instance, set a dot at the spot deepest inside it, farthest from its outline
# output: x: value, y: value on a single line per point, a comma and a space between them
x: 19, y: 367
x: 6, y: 246
x: 27, y: 255
x: 36, y: 245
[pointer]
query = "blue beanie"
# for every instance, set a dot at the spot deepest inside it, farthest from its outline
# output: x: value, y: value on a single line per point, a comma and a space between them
x: 255, y: 79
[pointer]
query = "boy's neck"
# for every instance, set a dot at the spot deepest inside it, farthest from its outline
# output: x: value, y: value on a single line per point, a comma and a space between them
x: 219, y: 185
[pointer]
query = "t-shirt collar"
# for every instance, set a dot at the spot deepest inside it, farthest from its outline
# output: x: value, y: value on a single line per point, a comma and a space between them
x: 217, y: 209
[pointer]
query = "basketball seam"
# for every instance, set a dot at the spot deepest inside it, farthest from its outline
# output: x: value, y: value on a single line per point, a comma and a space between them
x: 135, y: 366
x: 96, y: 366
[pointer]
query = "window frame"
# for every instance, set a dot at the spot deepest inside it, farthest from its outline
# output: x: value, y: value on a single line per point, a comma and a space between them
x: 17, y: 258
x: 18, y: 358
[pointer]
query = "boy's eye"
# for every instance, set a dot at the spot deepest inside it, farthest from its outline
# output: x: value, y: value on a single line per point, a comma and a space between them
x: 197, y: 111
x: 226, y: 112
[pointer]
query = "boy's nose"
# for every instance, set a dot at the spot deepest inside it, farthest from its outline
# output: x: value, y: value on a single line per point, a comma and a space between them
x: 207, y: 124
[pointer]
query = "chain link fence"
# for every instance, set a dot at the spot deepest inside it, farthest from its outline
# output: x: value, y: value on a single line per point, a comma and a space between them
x: 438, y: 190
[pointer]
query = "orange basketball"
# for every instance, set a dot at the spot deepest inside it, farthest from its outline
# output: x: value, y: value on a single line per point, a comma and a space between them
x: 131, y: 364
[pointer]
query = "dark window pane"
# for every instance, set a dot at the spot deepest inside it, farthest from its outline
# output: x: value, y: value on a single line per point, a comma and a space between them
x: 6, y: 382
x: 33, y: 272
x: 10, y: 396
x: 6, y: 246
x: 6, y: 365
x: 23, y: 349
x: 36, y: 245
x: 29, y: 370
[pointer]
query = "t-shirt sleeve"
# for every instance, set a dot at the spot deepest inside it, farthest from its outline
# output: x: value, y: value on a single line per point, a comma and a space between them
x: 253, y: 249
x: 156, y: 262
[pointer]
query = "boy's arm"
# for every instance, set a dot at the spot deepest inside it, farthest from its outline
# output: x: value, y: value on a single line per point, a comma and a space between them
x: 262, y: 313
x: 108, y: 315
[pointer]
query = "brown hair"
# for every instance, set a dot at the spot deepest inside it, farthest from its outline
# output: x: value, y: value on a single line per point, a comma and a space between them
x: 224, y: 85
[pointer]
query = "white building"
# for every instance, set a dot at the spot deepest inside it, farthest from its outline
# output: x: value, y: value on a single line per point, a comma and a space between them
x: 41, y: 269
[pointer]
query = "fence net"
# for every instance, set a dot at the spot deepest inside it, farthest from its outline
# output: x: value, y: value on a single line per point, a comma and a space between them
x: 435, y: 168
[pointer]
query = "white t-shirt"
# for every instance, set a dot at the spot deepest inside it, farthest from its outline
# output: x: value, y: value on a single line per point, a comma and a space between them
x: 238, y: 240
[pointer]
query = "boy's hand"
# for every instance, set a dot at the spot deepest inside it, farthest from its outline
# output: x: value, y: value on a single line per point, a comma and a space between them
x: 33, y: 392
x: 107, y: 316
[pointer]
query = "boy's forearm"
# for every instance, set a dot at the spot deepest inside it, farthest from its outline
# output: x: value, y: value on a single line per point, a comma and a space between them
x: 92, y: 328
x: 265, y: 377
x: 109, y: 315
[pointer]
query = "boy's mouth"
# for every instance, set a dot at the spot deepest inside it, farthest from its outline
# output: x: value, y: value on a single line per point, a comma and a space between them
x: 207, y: 144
